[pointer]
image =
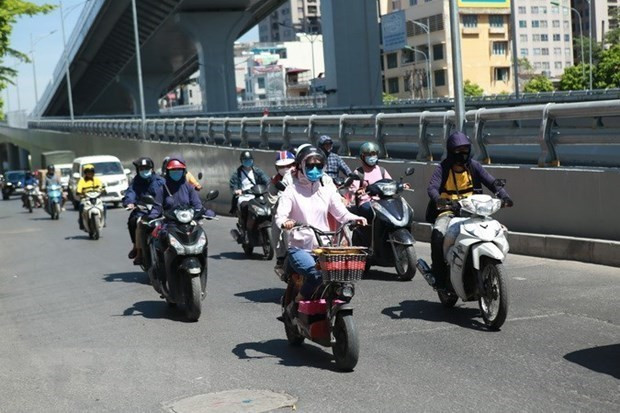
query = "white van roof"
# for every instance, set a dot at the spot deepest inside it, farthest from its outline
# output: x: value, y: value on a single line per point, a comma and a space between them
x: 96, y: 159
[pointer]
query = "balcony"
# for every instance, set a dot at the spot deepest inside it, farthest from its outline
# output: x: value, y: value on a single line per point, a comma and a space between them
x: 497, y: 30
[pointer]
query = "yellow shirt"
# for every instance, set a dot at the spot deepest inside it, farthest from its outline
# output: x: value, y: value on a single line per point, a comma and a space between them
x: 192, y: 181
x: 94, y: 184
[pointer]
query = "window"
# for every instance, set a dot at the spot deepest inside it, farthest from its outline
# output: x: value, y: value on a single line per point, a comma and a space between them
x: 545, y: 51
x: 470, y: 20
x: 567, y: 51
x: 496, y: 21
x: 537, y: 65
x: 544, y: 24
x: 544, y: 37
x: 396, y: 4
x: 566, y: 24
x: 535, y: 23
x: 555, y: 10
x: 523, y: 38
x: 568, y: 64
x: 440, y: 77
x: 546, y: 65
x: 392, y: 60
x: 557, y: 51
x: 393, y: 85
x: 438, y: 52
x: 522, y: 24
x: 567, y: 37
x: 543, y: 9
x: 311, y: 9
x: 500, y: 48
x: 522, y: 10
x: 502, y: 74
x: 408, y: 56
x: 537, y: 51
x: 524, y: 52
x: 536, y: 38
x: 413, y: 2
x: 558, y: 65
x: 261, y: 82
x: 556, y: 24
x: 534, y: 9
x: 557, y: 37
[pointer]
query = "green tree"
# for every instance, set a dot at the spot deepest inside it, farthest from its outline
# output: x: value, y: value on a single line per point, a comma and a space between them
x: 596, y: 50
x: 575, y: 77
x: 388, y: 98
x: 472, y: 89
x: 612, y: 37
x: 607, y: 73
x: 538, y: 83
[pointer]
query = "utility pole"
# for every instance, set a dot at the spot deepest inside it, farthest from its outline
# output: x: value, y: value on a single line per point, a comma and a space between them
x: 457, y: 63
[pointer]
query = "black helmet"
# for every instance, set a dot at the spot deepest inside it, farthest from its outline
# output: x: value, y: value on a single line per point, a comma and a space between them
x: 51, y: 168
x: 306, y: 152
x: 245, y: 155
x: 144, y: 162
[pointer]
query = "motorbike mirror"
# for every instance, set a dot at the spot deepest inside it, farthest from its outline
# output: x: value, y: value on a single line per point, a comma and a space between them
x: 499, y: 183
x: 212, y: 195
x: 409, y: 171
x: 280, y: 186
x: 200, y: 175
x: 127, y: 171
x: 148, y: 199
x: 76, y: 175
x: 339, y: 181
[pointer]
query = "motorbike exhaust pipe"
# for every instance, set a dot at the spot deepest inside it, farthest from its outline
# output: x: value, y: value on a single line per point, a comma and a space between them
x: 426, y: 272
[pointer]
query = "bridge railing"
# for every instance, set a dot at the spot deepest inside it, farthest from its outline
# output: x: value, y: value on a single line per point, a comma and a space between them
x: 544, y: 129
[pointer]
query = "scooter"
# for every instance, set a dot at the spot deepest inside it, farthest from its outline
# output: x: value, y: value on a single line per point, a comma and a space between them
x: 326, y: 319
x: 475, y: 248
x: 389, y: 237
x: 32, y: 197
x: 93, y: 217
x: 145, y: 205
x: 257, y: 225
x: 54, y: 199
x: 179, y: 258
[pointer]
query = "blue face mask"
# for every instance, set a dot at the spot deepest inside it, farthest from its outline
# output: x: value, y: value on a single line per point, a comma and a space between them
x: 176, y: 175
x: 146, y: 174
x: 247, y: 163
x: 314, y: 174
x: 372, y: 160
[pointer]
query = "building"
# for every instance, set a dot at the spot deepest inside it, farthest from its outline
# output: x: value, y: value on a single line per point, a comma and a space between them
x: 545, y: 36
x: 604, y: 15
x: 485, y: 48
x: 292, y: 17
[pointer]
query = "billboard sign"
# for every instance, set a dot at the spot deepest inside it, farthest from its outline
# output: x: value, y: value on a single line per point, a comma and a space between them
x: 485, y: 4
x: 394, y: 31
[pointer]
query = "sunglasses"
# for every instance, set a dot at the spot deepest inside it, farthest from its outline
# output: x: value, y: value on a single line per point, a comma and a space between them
x: 312, y: 165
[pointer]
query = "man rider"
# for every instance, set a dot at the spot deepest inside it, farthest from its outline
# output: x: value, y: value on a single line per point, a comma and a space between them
x: 456, y: 177
x: 245, y: 177
x: 89, y: 182
x: 52, y: 179
x: 29, y: 179
x: 333, y: 162
x: 144, y: 181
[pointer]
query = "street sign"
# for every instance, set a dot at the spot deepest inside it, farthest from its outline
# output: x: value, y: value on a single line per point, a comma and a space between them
x: 394, y: 31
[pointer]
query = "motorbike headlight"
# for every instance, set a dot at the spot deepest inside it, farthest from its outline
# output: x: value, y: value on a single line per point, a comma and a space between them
x: 184, y: 216
x: 260, y: 211
x: 174, y: 243
x: 487, y: 208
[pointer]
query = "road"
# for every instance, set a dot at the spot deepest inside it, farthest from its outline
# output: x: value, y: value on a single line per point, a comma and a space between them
x: 80, y: 330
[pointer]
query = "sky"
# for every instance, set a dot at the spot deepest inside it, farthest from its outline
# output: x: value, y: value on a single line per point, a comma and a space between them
x: 48, y: 50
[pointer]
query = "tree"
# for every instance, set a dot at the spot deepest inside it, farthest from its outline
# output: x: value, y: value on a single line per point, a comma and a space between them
x: 472, y: 89
x: 389, y: 99
x: 575, y: 77
x: 538, y: 83
x: 607, y: 73
x: 612, y: 37
x: 596, y: 50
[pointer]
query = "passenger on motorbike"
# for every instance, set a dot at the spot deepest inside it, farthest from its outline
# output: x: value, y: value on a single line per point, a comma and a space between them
x: 145, y: 182
x: 88, y: 183
x: 245, y: 177
x: 52, y: 179
x: 285, y: 165
x: 456, y: 177
x: 308, y: 201
x: 333, y: 162
x: 189, y: 177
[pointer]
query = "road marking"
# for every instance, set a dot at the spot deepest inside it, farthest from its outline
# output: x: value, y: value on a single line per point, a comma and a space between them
x: 519, y: 278
x: 245, y: 400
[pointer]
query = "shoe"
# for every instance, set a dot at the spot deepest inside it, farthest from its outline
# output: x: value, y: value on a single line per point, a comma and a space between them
x: 132, y: 254
x: 137, y: 261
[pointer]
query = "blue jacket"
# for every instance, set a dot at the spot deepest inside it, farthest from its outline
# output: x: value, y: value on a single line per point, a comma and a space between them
x: 140, y: 187
x: 172, y: 194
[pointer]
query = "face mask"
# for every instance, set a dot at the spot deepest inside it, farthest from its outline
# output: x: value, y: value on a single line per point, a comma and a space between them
x: 247, y: 163
x: 461, y: 157
x: 146, y: 174
x: 314, y: 174
x: 283, y: 170
x: 372, y: 160
x: 176, y: 175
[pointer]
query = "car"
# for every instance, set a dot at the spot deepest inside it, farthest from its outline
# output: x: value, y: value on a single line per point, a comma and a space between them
x: 107, y: 168
x: 64, y: 170
x: 12, y: 183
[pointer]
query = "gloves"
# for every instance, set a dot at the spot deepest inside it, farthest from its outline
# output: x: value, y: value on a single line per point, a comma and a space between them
x: 507, y: 202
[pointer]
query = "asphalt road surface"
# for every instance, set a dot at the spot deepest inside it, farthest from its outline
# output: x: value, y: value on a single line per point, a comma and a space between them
x: 81, y: 330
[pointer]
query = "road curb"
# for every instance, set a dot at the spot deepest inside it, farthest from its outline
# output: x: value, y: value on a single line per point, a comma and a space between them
x: 595, y: 251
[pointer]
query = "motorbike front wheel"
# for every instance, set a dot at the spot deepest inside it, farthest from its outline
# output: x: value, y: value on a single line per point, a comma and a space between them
x: 346, y: 349
x: 405, y: 262
x: 447, y: 300
x: 30, y: 202
x: 193, y: 300
x: 494, y: 299
x: 267, y: 245
x: 247, y: 249
x: 94, y: 227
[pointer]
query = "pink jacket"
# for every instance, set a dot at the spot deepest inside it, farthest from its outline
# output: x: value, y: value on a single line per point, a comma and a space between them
x: 309, y: 203
x: 371, y: 175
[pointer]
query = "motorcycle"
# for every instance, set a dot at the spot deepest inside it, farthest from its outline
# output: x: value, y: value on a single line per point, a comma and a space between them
x: 145, y: 205
x: 475, y: 248
x: 54, y: 199
x: 389, y: 236
x: 327, y: 318
x: 257, y: 225
x: 93, y: 217
x: 32, y: 198
x: 179, y: 259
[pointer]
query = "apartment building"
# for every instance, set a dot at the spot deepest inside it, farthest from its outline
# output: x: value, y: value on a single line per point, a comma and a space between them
x: 292, y: 17
x: 545, y: 35
x: 603, y: 17
x: 485, y: 49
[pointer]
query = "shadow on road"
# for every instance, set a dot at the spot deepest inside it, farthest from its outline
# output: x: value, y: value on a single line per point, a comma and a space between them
x: 138, y: 277
x: 230, y: 255
x: 155, y: 310
x: 435, y: 312
x: 378, y: 275
x: 266, y: 295
x: 45, y: 218
x: 306, y: 355
x: 77, y: 237
x: 602, y: 359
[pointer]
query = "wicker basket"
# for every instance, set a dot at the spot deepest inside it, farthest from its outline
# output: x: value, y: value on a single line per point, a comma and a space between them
x: 342, y: 264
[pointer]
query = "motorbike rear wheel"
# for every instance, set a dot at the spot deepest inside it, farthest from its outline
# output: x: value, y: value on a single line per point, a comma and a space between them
x: 494, y: 301
x: 346, y: 349
x: 94, y: 227
x: 193, y: 297
x: 405, y: 262
x: 292, y: 334
x: 267, y: 245
x: 447, y: 300
x: 29, y: 204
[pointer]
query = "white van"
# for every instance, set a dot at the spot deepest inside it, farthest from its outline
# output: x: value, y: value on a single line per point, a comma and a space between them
x: 107, y: 168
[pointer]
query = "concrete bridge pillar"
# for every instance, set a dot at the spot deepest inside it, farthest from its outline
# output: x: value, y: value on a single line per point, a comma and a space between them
x: 214, y: 34
x: 351, y: 46
x: 153, y: 90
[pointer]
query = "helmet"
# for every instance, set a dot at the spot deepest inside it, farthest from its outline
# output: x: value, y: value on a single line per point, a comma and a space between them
x: 143, y: 162
x: 306, y: 152
x: 88, y: 168
x: 325, y: 139
x: 302, y: 147
x: 284, y: 158
x: 175, y: 164
x: 245, y: 155
x: 51, y: 167
x: 367, y: 148
x: 163, y: 164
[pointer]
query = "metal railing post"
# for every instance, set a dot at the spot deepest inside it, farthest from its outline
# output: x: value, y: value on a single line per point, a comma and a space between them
x: 481, y: 152
x: 262, y: 134
x: 227, y: 136
x: 343, y: 137
x: 424, y: 149
x: 286, y: 137
x: 379, y: 136
x: 243, y: 134
x: 311, y: 133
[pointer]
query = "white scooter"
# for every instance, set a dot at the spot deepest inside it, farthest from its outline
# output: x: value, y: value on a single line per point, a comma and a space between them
x: 92, y: 214
x: 475, y: 248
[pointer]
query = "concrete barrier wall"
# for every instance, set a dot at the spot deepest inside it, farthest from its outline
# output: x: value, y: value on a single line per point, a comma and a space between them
x: 568, y: 202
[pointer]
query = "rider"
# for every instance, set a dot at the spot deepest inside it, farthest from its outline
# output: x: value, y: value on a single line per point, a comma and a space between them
x: 285, y: 165
x: 140, y: 186
x: 188, y: 176
x: 245, y: 177
x: 456, y: 177
x: 89, y: 182
x: 333, y: 162
x: 29, y: 179
x: 308, y: 202
x: 52, y: 179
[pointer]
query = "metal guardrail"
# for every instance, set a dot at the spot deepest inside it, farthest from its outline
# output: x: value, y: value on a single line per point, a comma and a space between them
x: 545, y: 126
